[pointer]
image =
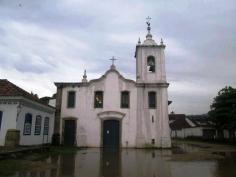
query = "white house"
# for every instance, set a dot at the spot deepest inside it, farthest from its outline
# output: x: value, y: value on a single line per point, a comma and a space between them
x: 186, y: 126
x: 115, y: 111
x: 22, y: 111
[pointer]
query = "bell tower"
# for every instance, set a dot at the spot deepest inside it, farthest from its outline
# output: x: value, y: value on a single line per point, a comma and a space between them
x: 152, y: 96
x: 150, y: 59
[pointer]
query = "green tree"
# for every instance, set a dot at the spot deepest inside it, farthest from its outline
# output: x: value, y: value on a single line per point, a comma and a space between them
x: 223, y: 109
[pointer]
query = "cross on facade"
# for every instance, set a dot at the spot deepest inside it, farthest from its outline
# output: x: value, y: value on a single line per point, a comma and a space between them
x: 113, y: 60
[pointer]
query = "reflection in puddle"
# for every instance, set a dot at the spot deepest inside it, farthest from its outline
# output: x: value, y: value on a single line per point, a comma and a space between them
x: 67, y: 165
x: 134, y: 163
x: 110, y: 162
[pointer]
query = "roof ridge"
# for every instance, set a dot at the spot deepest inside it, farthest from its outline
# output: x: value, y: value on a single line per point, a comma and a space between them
x: 10, y: 89
x: 18, y: 88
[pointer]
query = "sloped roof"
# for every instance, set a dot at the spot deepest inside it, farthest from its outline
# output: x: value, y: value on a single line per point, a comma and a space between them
x: 9, y: 89
x: 178, y: 121
x: 200, y: 121
x: 179, y: 124
x: 176, y: 116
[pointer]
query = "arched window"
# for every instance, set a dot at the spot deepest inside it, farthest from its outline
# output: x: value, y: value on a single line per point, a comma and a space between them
x: 38, y: 123
x: 28, y: 123
x: 151, y: 64
x: 46, y: 126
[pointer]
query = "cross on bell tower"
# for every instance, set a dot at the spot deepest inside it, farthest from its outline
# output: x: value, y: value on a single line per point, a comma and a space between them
x: 149, y: 35
x: 148, y: 23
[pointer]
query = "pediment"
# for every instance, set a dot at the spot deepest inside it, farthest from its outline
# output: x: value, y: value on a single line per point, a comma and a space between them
x: 112, y: 71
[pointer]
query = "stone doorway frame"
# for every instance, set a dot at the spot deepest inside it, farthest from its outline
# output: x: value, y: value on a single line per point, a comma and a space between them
x: 111, y: 115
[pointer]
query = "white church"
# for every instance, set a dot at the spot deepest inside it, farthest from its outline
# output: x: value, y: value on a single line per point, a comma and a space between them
x: 113, y: 111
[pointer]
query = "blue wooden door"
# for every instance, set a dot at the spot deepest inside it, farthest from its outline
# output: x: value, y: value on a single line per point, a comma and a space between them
x: 69, y: 132
x: 111, y: 133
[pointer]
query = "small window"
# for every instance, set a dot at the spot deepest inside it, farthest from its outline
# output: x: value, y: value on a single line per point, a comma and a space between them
x: 28, y: 124
x: 46, y: 126
x: 151, y: 64
x: 0, y: 119
x: 98, y: 99
x: 38, y: 123
x: 71, y: 99
x: 124, y: 99
x: 152, y: 99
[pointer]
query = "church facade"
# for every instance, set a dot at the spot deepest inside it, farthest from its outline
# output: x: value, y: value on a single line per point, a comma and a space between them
x: 113, y: 111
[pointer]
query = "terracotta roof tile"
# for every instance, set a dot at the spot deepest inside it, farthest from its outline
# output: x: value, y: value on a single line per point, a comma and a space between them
x: 9, y: 89
x: 178, y: 121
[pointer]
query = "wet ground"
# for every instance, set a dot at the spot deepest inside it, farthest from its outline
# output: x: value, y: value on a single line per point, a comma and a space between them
x: 185, y: 159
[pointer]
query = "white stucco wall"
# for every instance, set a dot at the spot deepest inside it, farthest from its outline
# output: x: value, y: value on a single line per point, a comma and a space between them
x: 8, y: 119
x: 34, y: 139
x: 88, y: 122
x: 137, y: 128
x: 183, y: 133
x: 194, y: 131
x: 142, y: 54
x: 159, y: 129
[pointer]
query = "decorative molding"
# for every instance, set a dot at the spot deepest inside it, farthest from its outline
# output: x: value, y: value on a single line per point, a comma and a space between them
x: 87, y: 84
x: 111, y: 114
x: 70, y: 118
x: 26, y: 102
x: 6, y: 102
x: 160, y: 84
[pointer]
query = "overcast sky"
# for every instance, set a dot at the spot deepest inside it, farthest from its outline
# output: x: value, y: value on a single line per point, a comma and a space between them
x: 47, y: 41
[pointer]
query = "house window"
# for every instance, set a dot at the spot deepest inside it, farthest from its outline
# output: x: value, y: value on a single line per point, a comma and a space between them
x: 0, y: 119
x: 98, y: 99
x: 151, y: 64
x: 124, y: 99
x: 152, y: 99
x: 38, y: 123
x: 28, y: 123
x: 71, y: 99
x: 46, y: 126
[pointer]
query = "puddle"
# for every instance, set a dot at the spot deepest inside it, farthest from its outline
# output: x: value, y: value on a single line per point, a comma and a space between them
x: 140, y: 163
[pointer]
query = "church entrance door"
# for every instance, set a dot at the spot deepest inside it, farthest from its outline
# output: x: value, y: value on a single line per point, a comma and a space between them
x: 111, y: 133
x: 69, y: 132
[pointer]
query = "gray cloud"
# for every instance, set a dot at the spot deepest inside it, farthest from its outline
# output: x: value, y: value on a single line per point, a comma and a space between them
x: 46, y: 41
